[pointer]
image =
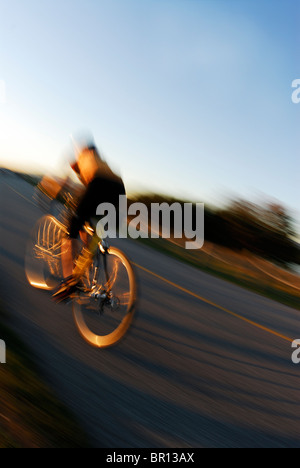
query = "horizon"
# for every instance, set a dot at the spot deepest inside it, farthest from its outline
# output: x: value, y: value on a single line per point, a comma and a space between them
x: 135, y: 197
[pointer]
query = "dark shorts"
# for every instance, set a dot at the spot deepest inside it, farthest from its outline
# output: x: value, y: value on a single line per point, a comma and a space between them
x: 99, y: 191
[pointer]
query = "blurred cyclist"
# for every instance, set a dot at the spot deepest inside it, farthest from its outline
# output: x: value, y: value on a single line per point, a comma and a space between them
x: 102, y: 185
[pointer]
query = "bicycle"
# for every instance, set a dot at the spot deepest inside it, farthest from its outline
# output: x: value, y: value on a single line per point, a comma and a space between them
x: 105, y: 303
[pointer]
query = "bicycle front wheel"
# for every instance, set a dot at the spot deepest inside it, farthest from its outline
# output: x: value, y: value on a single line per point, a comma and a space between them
x: 103, y: 312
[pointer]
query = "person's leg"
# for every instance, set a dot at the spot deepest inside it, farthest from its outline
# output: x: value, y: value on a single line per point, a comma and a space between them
x: 69, y: 251
x: 67, y: 257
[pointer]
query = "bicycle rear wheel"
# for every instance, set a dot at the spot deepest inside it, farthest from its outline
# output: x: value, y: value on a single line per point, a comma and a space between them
x: 103, y: 313
x: 43, y: 254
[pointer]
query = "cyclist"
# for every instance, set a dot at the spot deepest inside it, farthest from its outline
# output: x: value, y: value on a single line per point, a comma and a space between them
x: 102, y: 185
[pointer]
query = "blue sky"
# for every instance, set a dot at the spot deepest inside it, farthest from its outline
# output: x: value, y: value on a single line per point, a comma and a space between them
x: 189, y: 97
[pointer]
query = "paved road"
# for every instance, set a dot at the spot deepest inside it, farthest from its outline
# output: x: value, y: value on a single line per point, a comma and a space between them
x: 189, y: 374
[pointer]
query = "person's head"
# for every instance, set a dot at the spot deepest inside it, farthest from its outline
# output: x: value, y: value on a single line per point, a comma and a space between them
x: 88, y: 163
x: 82, y: 141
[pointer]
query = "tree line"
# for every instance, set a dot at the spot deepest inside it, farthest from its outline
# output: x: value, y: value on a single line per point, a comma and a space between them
x: 265, y: 229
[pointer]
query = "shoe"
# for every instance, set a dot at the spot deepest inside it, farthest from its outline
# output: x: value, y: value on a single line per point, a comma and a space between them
x: 66, y: 289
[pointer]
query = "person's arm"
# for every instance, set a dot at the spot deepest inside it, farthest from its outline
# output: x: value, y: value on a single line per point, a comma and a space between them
x: 51, y: 187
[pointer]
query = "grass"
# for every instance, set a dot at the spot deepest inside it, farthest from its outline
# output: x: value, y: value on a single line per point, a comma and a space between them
x: 241, y: 275
x: 30, y: 414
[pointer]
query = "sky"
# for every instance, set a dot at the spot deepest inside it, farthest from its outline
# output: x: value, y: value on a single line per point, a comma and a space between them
x: 186, y: 97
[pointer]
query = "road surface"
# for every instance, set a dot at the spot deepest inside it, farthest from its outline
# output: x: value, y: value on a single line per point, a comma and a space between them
x: 206, y: 364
